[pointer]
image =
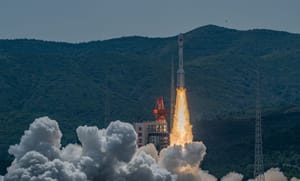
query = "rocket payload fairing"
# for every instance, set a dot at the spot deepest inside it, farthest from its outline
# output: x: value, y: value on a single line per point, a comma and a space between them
x: 180, y: 71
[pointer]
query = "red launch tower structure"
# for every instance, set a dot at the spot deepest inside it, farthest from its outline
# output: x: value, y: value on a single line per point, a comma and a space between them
x: 159, y: 111
x: 155, y: 132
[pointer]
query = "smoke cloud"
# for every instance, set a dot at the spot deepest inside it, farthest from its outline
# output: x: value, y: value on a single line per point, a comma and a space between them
x: 232, y: 176
x: 107, y: 154
x: 103, y: 154
x: 183, y: 161
x: 205, y: 176
x: 274, y: 174
x: 295, y: 179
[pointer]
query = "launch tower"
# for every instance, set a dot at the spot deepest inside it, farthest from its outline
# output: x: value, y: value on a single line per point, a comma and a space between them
x: 155, y: 132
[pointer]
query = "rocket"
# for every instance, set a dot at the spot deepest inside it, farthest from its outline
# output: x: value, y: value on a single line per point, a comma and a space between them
x: 180, y: 71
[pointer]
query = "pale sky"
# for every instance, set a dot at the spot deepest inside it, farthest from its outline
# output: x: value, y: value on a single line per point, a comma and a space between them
x: 86, y: 20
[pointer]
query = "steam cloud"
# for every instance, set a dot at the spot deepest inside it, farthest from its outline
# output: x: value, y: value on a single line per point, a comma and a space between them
x: 107, y: 154
x: 232, y: 176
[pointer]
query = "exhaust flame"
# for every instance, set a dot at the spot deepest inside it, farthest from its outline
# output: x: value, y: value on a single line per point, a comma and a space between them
x: 181, y: 129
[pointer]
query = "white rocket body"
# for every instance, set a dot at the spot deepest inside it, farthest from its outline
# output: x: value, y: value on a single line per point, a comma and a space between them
x: 180, y: 71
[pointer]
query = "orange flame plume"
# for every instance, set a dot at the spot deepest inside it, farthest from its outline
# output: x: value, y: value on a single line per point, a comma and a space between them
x: 182, y: 129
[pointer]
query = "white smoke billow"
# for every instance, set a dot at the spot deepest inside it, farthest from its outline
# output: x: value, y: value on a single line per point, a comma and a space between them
x: 107, y: 154
x: 232, y: 176
x: 295, y: 179
x: 104, y: 154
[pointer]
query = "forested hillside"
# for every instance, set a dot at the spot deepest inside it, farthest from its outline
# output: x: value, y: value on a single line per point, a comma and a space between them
x: 70, y: 83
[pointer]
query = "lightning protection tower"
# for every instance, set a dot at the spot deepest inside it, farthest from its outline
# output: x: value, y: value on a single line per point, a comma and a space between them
x: 172, y: 100
x: 107, y: 100
x: 258, y: 155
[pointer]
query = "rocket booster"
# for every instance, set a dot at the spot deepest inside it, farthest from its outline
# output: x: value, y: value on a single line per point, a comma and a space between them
x: 180, y: 71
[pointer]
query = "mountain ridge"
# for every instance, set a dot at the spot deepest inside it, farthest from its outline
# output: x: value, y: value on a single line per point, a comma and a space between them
x: 201, y: 28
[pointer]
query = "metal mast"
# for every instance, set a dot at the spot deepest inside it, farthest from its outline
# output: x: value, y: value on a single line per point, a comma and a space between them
x: 258, y: 155
x: 172, y: 94
x: 107, y: 101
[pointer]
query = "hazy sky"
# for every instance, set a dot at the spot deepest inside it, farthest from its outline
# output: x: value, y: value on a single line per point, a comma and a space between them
x: 85, y: 20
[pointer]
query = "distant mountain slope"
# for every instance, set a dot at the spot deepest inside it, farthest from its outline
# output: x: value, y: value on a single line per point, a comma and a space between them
x: 67, y: 81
